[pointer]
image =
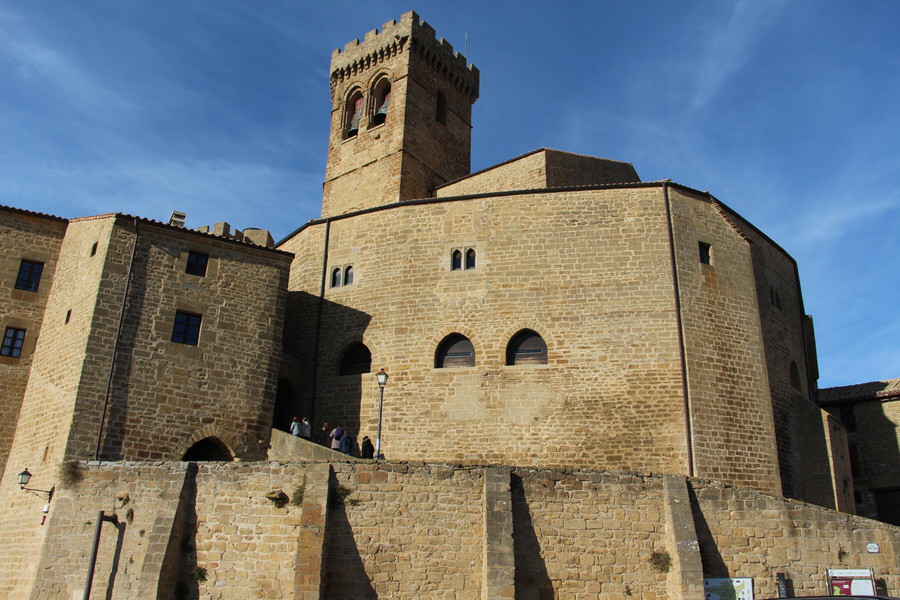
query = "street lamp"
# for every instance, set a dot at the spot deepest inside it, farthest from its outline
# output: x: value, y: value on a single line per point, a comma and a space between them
x: 24, y: 478
x: 382, y: 378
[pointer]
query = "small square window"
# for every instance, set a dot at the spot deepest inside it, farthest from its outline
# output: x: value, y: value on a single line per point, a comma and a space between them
x: 196, y: 264
x: 29, y: 276
x: 705, y: 253
x: 13, y: 340
x: 187, y: 328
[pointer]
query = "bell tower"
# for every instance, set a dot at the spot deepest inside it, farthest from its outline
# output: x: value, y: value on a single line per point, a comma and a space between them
x: 401, y: 117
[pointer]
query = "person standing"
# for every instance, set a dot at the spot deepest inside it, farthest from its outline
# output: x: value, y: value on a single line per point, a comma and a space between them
x: 336, y: 434
x: 295, y: 428
x: 305, y: 429
x: 366, y: 449
x: 347, y: 443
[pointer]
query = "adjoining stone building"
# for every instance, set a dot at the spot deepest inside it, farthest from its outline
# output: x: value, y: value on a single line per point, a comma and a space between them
x: 636, y: 352
x: 871, y: 414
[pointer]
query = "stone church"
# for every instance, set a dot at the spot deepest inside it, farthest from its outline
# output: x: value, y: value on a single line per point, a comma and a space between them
x: 598, y: 386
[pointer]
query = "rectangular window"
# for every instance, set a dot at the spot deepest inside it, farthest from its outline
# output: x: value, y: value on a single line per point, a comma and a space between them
x: 187, y: 328
x: 705, y: 253
x: 13, y: 340
x: 29, y: 276
x: 196, y: 264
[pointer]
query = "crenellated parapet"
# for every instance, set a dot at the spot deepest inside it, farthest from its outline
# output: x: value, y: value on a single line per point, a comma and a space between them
x: 397, y: 38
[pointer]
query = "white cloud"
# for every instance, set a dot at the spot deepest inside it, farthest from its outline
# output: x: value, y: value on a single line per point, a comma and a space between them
x: 731, y: 45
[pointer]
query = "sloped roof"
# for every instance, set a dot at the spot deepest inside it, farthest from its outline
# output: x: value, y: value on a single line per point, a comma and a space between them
x: 873, y: 390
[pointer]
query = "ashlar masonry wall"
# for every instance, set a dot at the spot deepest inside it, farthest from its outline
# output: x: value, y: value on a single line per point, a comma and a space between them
x: 36, y: 238
x: 367, y: 530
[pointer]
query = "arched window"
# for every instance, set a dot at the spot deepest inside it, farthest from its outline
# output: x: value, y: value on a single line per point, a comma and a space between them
x: 470, y: 258
x: 456, y: 260
x: 208, y: 449
x: 336, y: 277
x: 353, y: 112
x: 441, y: 109
x: 357, y: 359
x: 381, y: 94
x: 348, y: 275
x: 526, y: 348
x: 795, y: 377
x: 455, y: 351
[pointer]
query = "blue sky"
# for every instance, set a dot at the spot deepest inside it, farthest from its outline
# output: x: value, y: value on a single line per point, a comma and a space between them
x: 789, y: 112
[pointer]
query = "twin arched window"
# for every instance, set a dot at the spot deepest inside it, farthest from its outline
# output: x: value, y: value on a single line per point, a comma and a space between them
x: 525, y: 348
x: 341, y: 276
x: 457, y: 256
x: 355, y: 107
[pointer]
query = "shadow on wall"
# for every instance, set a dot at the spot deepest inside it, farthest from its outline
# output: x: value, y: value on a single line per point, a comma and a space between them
x: 323, y: 378
x: 713, y: 564
x: 345, y: 575
x: 878, y: 455
x: 181, y: 576
x: 532, y: 580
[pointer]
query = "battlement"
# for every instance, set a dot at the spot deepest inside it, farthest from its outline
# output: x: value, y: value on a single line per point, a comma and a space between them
x: 251, y: 235
x: 397, y: 38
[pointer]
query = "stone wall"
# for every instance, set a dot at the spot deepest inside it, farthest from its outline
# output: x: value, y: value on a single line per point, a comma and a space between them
x: 565, y: 265
x: 543, y: 168
x: 727, y: 387
x: 367, y: 530
x: 37, y: 238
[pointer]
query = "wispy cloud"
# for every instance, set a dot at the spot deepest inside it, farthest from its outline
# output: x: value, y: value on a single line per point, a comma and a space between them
x: 731, y: 45
x: 38, y: 62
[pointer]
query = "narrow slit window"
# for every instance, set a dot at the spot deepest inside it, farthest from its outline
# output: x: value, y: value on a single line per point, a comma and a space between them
x: 705, y: 253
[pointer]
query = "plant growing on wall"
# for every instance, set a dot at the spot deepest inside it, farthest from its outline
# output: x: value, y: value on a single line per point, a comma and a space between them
x: 70, y: 473
x: 660, y: 561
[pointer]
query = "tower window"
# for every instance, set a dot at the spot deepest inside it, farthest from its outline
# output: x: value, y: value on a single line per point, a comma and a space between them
x: 470, y: 258
x: 353, y: 112
x: 526, y: 348
x: 348, y: 275
x: 381, y: 94
x: 456, y: 260
x: 336, y: 277
x: 13, y: 340
x: 440, y: 114
x: 462, y: 258
x: 795, y: 376
x: 455, y: 351
x: 705, y: 253
x: 29, y: 276
x: 187, y: 328
x: 196, y: 264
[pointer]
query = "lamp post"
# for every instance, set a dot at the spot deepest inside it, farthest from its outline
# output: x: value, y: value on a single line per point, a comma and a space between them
x: 382, y: 378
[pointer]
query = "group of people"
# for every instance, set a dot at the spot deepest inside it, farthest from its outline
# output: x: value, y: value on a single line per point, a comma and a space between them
x: 338, y: 438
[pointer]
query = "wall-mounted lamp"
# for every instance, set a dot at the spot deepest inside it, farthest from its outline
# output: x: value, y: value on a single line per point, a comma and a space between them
x: 25, y: 477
